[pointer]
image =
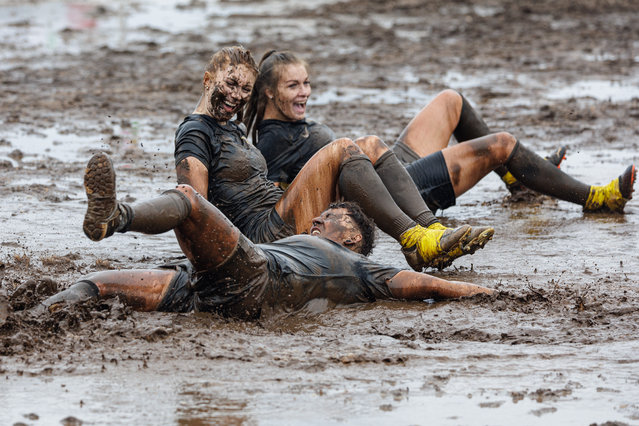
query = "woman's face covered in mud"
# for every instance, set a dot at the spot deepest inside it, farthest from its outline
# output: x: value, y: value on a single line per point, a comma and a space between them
x: 292, y: 91
x: 227, y: 91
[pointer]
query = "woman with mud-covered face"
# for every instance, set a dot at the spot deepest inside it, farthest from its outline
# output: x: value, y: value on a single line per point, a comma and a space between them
x: 214, y: 157
x: 276, y: 119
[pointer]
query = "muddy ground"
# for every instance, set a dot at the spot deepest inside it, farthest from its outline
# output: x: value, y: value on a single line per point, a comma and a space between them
x: 557, y: 345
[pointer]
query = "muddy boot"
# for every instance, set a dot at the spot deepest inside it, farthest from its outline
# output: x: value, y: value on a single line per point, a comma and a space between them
x: 520, y: 192
x: 614, y: 196
x: 475, y: 240
x: 104, y: 214
x: 428, y: 247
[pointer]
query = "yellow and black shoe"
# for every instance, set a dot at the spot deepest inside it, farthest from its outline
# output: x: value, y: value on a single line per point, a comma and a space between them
x: 103, y: 215
x: 428, y: 247
x: 614, y: 196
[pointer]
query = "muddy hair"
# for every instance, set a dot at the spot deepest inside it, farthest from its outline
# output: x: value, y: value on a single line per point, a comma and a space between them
x: 365, y: 224
x: 270, y: 69
x: 234, y: 55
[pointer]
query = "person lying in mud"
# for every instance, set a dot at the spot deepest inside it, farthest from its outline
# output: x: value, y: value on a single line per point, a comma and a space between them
x: 228, y: 274
x: 213, y: 156
x: 276, y: 119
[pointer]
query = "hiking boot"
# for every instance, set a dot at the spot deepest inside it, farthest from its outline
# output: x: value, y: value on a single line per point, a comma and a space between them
x: 104, y: 214
x: 614, y: 196
x: 517, y: 188
x: 427, y: 247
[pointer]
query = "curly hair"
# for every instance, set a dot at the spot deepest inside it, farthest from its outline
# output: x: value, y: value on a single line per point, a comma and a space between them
x: 364, y: 223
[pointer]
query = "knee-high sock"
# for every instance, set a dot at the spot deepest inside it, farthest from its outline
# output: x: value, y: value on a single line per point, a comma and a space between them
x: 542, y: 176
x: 158, y: 215
x: 78, y: 292
x: 358, y: 182
x: 471, y: 126
x: 402, y: 188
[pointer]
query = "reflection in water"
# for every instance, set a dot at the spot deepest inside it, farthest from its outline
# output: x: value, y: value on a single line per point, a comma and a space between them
x: 203, y: 404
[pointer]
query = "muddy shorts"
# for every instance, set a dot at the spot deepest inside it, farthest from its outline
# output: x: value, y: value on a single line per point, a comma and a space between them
x: 237, y: 288
x: 431, y: 177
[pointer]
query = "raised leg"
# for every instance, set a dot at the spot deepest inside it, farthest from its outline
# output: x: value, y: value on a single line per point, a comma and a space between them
x: 205, y: 235
x: 430, y: 130
x: 342, y: 165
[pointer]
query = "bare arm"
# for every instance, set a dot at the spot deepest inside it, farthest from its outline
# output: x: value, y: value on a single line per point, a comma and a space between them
x: 191, y: 171
x: 414, y: 286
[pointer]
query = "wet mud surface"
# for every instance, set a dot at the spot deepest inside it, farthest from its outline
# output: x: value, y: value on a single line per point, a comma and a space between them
x: 556, y: 345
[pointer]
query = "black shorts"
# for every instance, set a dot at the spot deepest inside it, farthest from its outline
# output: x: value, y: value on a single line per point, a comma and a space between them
x: 431, y: 177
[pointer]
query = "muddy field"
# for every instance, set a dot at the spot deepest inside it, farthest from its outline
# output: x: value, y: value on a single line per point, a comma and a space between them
x: 556, y: 345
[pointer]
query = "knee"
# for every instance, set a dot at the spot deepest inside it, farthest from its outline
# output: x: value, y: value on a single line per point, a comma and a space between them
x: 188, y: 191
x: 344, y: 148
x: 372, y: 146
x: 504, y: 144
x: 452, y: 99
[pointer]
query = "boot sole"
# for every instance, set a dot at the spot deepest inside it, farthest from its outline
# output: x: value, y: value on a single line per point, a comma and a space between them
x: 450, y: 242
x: 99, y: 185
x: 627, y: 182
x: 478, y: 241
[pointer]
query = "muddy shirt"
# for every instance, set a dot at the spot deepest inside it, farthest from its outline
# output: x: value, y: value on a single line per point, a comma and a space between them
x: 238, y: 185
x: 288, y: 274
x: 287, y: 146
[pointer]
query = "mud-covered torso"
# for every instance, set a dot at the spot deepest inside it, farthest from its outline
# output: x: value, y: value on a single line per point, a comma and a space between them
x: 237, y: 180
x: 287, y: 146
x: 286, y: 275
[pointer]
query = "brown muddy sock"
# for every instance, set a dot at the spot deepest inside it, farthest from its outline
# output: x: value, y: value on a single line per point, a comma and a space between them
x: 471, y: 126
x: 542, y: 176
x: 402, y: 188
x: 358, y: 182
x: 78, y: 292
x: 158, y: 215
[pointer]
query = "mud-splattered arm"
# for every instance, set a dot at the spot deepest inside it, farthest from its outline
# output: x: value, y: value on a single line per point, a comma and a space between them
x: 191, y: 171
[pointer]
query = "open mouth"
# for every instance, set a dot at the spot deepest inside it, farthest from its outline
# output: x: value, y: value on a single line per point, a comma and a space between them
x: 229, y: 107
x: 299, y: 107
x: 315, y: 230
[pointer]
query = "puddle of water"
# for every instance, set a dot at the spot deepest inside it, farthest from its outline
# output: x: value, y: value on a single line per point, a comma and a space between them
x: 603, y: 90
x: 72, y: 27
x: 371, y: 96
x: 56, y: 142
x: 583, y: 383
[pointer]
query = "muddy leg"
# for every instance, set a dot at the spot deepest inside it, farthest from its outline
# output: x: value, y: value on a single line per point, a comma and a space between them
x: 340, y: 164
x: 142, y: 289
x: 343, y: 164
x: 397, y: 180
x: 430, y: 130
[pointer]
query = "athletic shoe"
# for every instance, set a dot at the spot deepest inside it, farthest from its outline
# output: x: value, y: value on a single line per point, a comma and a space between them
x: 515, y: 187
x: 427, y: 247
x: 103, y: 216
x: 475, y: 240
x: 558, y: 156
x: 614, y: 196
